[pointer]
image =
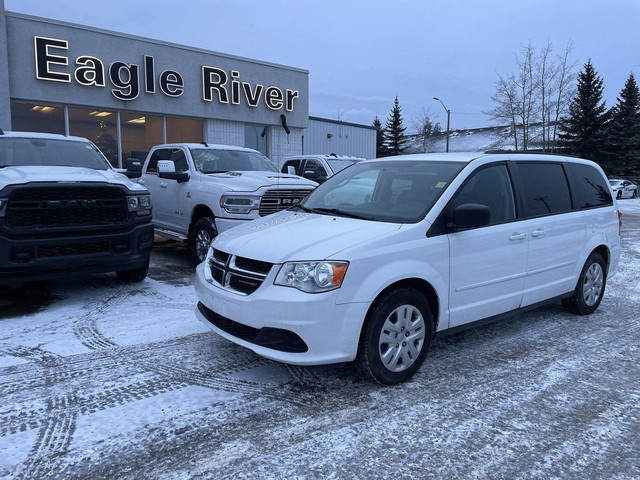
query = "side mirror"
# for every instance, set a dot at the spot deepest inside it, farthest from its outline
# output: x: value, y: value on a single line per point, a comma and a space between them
x: 167, y: 169
x: 134, y: 168
x: 291, y: 170
x: 470, y: 215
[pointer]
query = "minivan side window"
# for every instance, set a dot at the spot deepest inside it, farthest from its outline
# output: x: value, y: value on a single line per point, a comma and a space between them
x: 545, y: 187
x: 490, y: 186
x: 591, y: 188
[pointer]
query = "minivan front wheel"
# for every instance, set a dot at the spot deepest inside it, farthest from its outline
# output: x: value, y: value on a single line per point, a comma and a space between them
x: 590, y: 288
x: 396, y: 337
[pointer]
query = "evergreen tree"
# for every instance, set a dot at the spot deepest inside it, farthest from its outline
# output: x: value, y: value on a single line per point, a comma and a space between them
x: 381, y: 149
x: 583, y: 133
x: 394, y: 131
x: 624, y: 128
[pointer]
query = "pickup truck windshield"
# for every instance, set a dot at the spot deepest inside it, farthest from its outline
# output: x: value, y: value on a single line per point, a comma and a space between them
x: 387, y: 191
x: 219, y: 161
x: 16, y: 151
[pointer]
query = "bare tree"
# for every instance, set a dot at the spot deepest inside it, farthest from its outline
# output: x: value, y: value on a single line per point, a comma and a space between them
x: 506, y: 103
x: 425, y: 127
x: 539, y: 91
x: 527, y: 84
x: 564, y: 87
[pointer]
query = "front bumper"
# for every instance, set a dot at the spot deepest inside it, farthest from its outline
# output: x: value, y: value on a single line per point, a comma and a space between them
x: 49, y: 256
x: 277, y: 316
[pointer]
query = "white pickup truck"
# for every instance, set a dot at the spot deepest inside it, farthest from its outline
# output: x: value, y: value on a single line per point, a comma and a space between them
x: 200, y: 190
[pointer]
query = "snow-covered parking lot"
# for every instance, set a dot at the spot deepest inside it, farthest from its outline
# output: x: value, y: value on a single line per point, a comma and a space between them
x: 104, y: 380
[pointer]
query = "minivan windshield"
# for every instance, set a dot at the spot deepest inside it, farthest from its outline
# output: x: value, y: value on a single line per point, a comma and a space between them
x: 209, y: 160
x: 46, y: 152
x: 397, y: 191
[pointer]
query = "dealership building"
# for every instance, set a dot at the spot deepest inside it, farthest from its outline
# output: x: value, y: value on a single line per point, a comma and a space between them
x: 127, y: 93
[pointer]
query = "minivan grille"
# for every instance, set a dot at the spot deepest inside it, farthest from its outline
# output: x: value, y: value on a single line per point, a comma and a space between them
x: 66, y: 206
x: 275, y: 200
x: 238, y: 274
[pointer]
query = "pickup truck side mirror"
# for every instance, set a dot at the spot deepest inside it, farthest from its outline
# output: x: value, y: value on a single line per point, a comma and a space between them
x: 167, y: 169
x: 469, y: 215
x: 134, y: 168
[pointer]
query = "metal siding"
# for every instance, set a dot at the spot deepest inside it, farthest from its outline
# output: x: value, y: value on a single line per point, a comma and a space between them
x: 345, y: 139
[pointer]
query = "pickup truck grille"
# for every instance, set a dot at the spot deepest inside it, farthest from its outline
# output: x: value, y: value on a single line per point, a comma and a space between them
x: 275, y: 200
x: 66, y: 206
x: 238, y: 274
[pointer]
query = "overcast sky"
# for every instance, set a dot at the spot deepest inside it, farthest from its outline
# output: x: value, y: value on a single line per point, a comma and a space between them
x: 360, y: 54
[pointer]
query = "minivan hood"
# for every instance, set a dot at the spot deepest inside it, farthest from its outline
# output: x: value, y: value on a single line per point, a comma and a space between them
x: 252, y: 181
x: 290, y: 236
x: 49, y: 174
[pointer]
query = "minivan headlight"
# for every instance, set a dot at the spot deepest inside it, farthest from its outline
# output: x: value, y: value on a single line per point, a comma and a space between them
x: 312, y: 277
x: 239, y: 204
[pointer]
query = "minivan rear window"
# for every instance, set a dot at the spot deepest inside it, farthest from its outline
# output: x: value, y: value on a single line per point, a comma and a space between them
x: 591, y: 189
x: 545, y: 188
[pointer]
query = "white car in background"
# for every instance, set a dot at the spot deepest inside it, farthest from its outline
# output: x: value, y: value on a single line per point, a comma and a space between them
x: 623, y: 188
x: 317, y: 167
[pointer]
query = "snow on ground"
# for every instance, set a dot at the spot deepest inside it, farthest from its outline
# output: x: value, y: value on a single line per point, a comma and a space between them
x: 103, y: 380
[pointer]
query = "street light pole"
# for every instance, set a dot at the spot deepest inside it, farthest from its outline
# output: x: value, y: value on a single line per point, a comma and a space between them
x: 448, y: 119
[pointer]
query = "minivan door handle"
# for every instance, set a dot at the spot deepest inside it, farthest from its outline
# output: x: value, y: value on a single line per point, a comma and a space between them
x: 539, y: 232
x: 517, y: 236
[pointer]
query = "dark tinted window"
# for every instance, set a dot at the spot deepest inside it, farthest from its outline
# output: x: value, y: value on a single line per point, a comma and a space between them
x: 490, y: 186
x: 180, y: 160
x: 545, y: 188
x: 291, y: 163
x: 591, y: 189
x: 160, y: 154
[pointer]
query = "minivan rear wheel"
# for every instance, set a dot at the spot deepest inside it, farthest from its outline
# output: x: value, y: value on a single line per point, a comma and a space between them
x: 396, y: 337
x: 590, y: 288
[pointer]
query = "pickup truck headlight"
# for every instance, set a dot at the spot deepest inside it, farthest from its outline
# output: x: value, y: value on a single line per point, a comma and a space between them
x: 141, y: 204
x: 3, y: 205
x: 312, y: 277
x: 239, y: 203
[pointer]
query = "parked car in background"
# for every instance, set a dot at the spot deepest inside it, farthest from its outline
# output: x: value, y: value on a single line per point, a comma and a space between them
x: 387, y: 252
x: 200, y: 190
x: 317, y: 167
x: 623, y: 188
x: 65, y: 211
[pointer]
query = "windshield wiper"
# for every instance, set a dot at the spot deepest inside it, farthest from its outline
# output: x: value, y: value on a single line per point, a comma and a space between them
x: 340, y: 213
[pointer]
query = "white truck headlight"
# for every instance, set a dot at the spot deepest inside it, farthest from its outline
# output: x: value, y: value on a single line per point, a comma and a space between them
x: 239, y: 203
x: 312, y: 277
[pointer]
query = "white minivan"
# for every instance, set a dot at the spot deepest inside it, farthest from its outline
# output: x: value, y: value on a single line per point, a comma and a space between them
x: 380, y: 257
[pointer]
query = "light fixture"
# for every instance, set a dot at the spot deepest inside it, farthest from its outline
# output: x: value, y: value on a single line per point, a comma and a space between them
x: 43, y: 109
x: 100, y: 114
x: 137, y: 120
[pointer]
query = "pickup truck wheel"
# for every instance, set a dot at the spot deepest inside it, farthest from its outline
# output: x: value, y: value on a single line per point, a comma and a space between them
x: 203, y: 233
x: 590, y: 288
x: 133, y: 276
x: 396, y: 337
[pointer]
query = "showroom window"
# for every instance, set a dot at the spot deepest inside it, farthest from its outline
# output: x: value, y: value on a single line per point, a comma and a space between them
x: 37, y: 117
x: 99, y: 126
x: 139, y: 133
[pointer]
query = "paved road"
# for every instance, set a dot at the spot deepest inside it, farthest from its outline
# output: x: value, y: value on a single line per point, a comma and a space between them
x: 102, y: 380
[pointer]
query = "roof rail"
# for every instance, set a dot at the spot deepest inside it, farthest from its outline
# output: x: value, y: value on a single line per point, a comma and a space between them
x: 531, y: 152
